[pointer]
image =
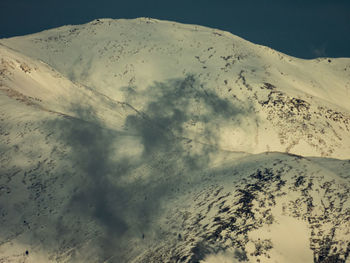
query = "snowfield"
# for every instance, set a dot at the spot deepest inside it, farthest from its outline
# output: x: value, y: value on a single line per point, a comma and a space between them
x: 153, y: 141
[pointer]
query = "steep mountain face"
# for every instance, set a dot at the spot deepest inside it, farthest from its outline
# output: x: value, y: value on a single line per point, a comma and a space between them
x: 151, y: 141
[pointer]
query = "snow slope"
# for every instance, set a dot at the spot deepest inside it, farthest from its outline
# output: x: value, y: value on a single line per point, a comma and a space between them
x: 152, y: 141
x: 130, y: 60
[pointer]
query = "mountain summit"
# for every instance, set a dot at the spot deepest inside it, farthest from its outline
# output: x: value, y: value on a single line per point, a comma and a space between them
x: 153, y: 141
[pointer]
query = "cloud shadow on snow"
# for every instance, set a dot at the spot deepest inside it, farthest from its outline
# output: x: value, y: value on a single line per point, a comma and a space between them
x: 105, y: 196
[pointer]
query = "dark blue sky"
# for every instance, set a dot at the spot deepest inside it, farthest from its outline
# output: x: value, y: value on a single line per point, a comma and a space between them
x: 302, y: 28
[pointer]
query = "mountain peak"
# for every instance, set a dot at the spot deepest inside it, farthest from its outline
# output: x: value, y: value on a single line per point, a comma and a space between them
x: 153, y: 141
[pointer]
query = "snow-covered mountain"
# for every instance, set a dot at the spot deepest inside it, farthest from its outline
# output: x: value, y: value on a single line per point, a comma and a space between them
x: 152, y: 141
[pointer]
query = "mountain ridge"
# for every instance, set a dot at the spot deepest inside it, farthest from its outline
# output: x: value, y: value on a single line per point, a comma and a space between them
x: 146, y: 141
x: 120, y: 73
